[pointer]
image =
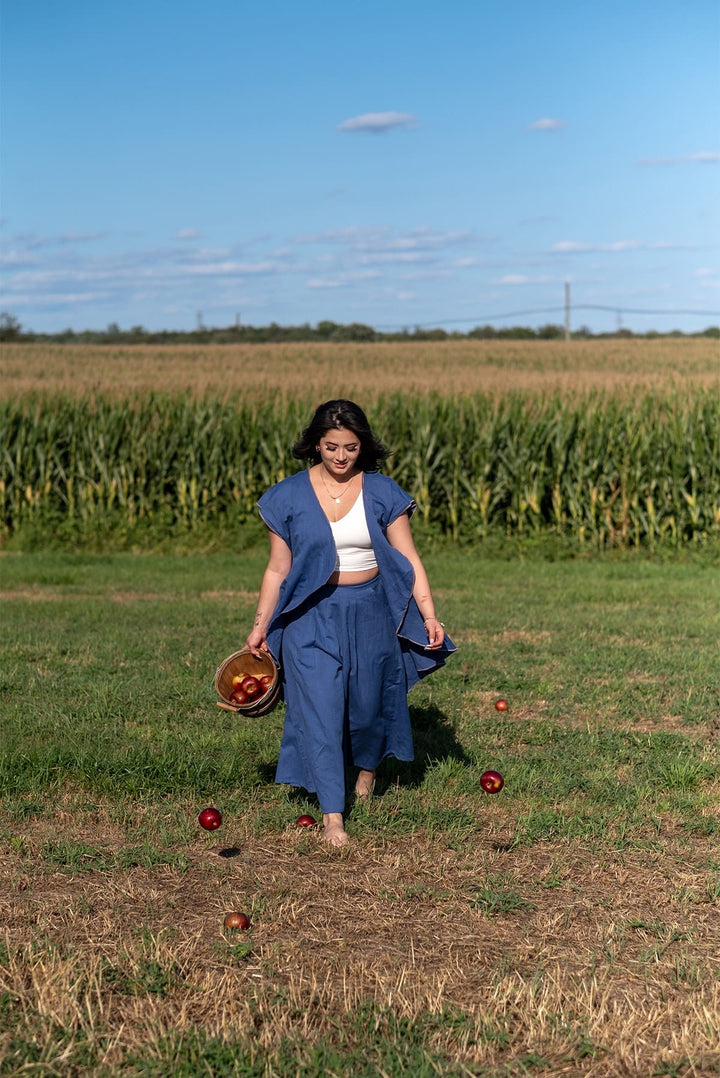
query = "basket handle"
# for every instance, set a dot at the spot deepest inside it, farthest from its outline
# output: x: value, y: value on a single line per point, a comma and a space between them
x: 228, y: 707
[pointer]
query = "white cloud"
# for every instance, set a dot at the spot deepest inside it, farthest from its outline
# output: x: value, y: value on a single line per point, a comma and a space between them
x: 58, y: 276
x: 381, y: 239
x: 547, y: 124
x: 385, y: 258
x: 617, y: 246
x: 708, y: 278
x: 334, y: 235
x: 686, y: 159
x: 31, y: 240
x: 56, y: 299
x: 116, y: 273
x: 571, y: 246
x: 342, y: 280
x: 434, y: 274
x: 520, y: 278
x: 222, y: 269
x: 377, y: 123
x: 326, y: 282
x: 17, y: 258
x: 191, y: 274
x: 355, y: 248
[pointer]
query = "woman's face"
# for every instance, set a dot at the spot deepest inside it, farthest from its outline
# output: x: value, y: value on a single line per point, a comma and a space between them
x: 339, y: 451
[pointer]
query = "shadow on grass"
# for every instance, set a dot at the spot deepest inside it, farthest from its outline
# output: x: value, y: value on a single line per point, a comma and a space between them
x: 434, y: 740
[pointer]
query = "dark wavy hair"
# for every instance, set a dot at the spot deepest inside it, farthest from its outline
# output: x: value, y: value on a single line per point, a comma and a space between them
x: 340, y: 415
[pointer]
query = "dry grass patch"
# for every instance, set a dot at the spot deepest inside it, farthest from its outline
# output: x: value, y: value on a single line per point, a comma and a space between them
x: 36, y: 593
x: 593, y: 961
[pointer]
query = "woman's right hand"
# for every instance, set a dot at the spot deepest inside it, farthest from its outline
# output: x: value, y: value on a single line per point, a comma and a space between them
x: 256, y: 642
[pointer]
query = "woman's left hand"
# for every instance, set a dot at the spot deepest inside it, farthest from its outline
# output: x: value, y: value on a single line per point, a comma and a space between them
x: 436, y: 633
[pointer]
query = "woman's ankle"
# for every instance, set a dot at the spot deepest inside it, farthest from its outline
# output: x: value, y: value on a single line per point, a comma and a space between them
x: 364, y: 783
x: 334, y: 829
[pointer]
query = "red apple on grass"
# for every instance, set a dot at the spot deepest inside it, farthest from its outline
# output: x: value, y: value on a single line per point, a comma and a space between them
x: 237, y: 920
x: 210, y: 819
x: 501, y: 705
x: 492, y: 782
x: 306, y: 820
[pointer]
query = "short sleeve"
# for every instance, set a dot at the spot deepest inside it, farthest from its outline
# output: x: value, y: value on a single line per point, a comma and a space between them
x: 406, y: 504
x: 394, y: 501
x: 272, y: 506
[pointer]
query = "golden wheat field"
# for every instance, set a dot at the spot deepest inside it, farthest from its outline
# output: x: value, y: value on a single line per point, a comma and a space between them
x: 366, y: 370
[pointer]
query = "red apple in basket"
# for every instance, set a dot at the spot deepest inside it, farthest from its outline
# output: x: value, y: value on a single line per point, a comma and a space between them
x: 251, y: 687
x: 265, y: 682
x: 238, y: 680
x: 239, y: 697
x: 492, y: 782
x: 210, y: 819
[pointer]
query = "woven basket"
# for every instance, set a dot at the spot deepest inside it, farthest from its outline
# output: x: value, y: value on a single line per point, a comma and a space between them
x: 244, y: 662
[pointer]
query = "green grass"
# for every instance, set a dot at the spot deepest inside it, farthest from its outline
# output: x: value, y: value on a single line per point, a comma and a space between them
x: 111, y: 741
x: 393, y: 1047
x: 610, y: 668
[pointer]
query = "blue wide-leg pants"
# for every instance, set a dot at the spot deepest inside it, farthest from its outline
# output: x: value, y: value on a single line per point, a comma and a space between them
x: 345, y: 691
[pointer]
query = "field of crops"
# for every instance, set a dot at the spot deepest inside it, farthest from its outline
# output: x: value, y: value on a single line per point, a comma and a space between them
x: 140, y: 453
x: 321, y: 371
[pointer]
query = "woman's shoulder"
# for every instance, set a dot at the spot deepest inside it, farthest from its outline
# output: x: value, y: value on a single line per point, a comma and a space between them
x: 285, y: 490
x: 386, y: 492
x: 289, y: 483
x: 382, y: 484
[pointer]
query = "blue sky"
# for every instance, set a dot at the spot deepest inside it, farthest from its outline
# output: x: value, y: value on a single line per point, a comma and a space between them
x: 392, y: 163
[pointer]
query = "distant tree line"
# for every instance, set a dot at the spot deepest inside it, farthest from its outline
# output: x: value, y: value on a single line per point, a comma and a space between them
x: 11, y: 330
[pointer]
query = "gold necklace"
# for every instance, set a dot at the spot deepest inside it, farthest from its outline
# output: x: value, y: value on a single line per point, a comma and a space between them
x: 339, y: 497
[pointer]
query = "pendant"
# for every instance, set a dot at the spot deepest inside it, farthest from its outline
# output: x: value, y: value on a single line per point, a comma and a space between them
x: 337, y: 501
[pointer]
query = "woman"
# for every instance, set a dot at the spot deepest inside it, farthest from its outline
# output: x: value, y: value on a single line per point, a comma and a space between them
x: 346, y: 608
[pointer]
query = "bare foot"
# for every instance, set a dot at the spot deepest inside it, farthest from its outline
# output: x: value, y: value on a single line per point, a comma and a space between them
x: 364, y: 785
x: 333, y: 829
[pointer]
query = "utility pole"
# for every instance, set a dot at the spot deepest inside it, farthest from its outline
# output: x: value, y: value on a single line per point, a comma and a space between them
x: 567, y: 310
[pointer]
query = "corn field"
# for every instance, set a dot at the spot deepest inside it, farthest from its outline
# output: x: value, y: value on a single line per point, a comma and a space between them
x: 602, y: 470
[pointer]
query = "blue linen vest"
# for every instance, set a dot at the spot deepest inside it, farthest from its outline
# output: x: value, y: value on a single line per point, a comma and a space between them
x: 291, y: 510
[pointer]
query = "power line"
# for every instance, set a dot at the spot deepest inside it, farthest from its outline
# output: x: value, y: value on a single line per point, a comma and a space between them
x: 641, y: 310
x: 481, y: 318
x: 487, y: 318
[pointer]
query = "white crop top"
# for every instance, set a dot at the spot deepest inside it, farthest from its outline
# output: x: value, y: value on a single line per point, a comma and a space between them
x: 352, y: 540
